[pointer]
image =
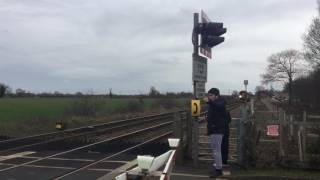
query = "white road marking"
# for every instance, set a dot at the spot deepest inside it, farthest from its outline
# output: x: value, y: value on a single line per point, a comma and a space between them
x: 70, y: 159
x: 225, y: 173
x: 12, y: 156
x: 57, y: 167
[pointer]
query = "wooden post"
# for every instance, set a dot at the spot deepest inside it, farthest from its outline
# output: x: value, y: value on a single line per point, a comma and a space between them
x: 278, y: 113
x: 304, y: 116
x: 300, y: 144
x: 291, y: 126
x: 281, y: 134
x: 177, y: 126
x: 303, y: 134
x: 242, y: 133
x: 189, y: 135
x: 238, y: 139
x: 195, y: 141
x: 252, y: 106
x: 178, y: 134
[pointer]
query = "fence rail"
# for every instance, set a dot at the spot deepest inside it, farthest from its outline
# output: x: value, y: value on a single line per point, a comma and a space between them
x: 296, y: 134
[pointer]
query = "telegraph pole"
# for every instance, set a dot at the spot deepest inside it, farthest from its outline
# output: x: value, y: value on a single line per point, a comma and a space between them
x: 210, y: 36
x: 195, y: 123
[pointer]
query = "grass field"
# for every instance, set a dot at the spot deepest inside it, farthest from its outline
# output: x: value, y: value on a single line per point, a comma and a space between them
x: 34, y: 114
x: 13, y: 109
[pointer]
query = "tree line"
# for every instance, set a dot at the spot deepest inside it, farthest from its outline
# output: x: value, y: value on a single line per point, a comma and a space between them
x: 6, y: 91
x: 299, y: 71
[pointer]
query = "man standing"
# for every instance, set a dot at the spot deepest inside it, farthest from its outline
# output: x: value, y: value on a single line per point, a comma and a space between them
x: 216, y: 126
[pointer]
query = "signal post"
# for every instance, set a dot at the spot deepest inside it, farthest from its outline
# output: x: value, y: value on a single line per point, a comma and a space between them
x: 209, y: 33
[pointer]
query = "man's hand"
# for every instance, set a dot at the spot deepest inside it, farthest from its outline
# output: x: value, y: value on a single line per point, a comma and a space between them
x: 202, y: 118
x: 206, y: 99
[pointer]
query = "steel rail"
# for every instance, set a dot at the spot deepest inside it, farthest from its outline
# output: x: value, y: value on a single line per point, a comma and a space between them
x: 141, y: 120
x: 88, y: 133
x: 232, y: 105
x: 111, y: 156
x: 89, y: 145
x: 79, y: 128
x: 83, y: 128
x: 87, y: 128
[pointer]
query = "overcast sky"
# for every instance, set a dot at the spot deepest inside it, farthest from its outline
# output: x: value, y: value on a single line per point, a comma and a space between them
x: 81, y: 45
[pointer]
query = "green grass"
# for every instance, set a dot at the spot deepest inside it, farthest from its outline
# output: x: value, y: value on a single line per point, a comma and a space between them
x: 14, y: 109
x: 29, y: 115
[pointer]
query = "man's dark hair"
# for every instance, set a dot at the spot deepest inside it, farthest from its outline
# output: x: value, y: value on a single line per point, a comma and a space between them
x: 214, y: 91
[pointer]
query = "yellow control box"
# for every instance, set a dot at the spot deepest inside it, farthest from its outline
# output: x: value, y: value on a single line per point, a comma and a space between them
x: 195, y: 107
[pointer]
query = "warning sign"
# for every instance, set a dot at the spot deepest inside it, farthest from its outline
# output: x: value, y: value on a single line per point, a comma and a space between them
x: 272, y: 130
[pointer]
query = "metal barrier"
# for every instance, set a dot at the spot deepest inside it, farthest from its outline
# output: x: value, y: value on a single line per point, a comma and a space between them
x: 148, y: 167
x: 168, y: 168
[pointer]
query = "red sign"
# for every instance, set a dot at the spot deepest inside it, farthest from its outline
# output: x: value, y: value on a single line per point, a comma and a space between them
x: 206, y: 52
x: 272, y: 130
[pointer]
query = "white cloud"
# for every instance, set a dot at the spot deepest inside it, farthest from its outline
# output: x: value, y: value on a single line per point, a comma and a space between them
x: 130, y: 47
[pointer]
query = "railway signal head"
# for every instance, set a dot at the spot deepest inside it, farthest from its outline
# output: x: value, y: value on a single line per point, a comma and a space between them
x: 244, y: 96
x: 211, y: 33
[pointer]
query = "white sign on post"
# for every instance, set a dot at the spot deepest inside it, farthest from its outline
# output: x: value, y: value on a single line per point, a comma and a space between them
x: 199, y: 69
x: 200, y: 89
x: 205, y: 51
x: 245, y: 82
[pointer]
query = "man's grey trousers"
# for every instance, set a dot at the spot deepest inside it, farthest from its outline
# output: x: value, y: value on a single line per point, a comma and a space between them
x: 215, y: 142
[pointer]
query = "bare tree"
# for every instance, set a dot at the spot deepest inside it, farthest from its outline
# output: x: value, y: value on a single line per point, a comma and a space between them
x: 110, y: 92
x: 284, y: 67
x: 312, y: 41
x: 260, y: 88
x: 153, y: 92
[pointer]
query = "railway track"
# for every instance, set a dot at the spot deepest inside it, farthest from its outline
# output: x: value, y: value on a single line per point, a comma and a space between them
x: 108, y: 136
x: 233, y: 106
x: 83, y: 132
x: 91, y: 133
x: 6, y: 143
x: 152, y: 131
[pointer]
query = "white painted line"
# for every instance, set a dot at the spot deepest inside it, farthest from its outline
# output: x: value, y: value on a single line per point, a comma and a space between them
x: 189, y: 175
x: 97, y: 169
x: 12, y: 156
x: 40, y: 166
x: 61, y: 159
x: 57, y: 167
x: 81, y: 160
x: 225, y: 173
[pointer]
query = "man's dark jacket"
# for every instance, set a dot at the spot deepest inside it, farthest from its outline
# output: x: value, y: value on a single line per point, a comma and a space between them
x: 217, y: 116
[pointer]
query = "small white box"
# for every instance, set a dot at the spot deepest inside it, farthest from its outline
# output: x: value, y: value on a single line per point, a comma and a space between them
x: 145, y: 162
x: 173, y: 142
